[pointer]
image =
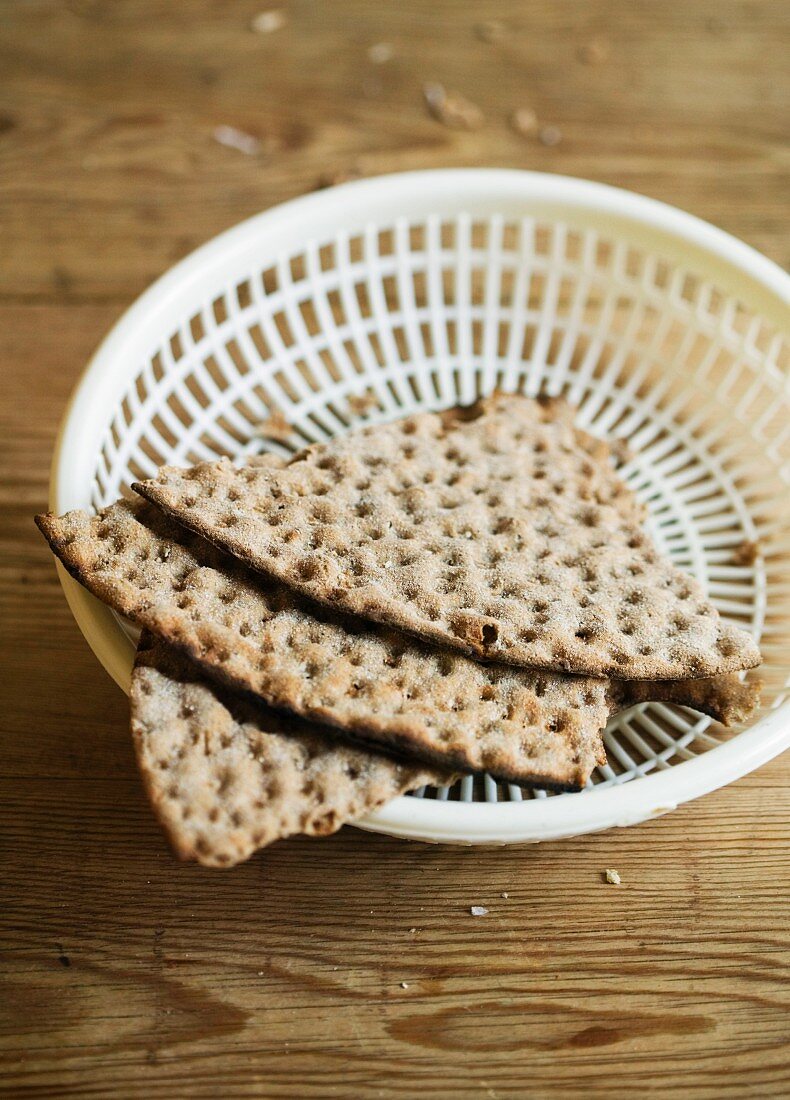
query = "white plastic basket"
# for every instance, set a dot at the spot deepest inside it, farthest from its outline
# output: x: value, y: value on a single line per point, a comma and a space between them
x: 424, y: 289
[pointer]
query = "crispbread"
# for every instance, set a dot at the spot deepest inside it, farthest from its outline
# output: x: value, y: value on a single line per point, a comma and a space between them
x: 528, y: 727
x: 728, y: 699
x: 227, y: 777
x: 501, y: 531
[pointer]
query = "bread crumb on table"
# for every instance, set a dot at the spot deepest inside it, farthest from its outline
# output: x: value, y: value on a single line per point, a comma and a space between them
x: 232, y: 138
x: 451, y: 108
x: 550, y: 135
x: 266, y: 22
x: 612, y: 876
x: 380, y: 52
x: 491, y: 30
x: 594, y: 52
x: 524, y: 121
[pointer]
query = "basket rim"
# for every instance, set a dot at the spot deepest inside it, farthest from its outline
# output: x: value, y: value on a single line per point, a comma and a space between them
x: 601, y: 808
x: 753, y: 278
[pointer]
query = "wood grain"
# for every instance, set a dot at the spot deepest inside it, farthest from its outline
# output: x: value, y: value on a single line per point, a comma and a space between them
x: 127, y: 974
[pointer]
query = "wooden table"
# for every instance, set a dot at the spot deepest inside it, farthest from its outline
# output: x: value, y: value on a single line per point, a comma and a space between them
x: 127, y: 974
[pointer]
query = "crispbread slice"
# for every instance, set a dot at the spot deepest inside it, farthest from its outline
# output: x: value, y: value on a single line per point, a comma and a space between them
x: 501, y: 531
x: 534, y: 728
x: 727, y: 699
x: 227, y: 777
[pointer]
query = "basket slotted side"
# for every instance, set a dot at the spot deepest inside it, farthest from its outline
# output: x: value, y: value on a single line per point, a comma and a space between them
x: 427, y: 313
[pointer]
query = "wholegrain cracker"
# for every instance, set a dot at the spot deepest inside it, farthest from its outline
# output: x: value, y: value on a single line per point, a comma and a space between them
x: 226, y: 777
x: 501, y: 530
x: 374, y: 684
x: 727, y: 699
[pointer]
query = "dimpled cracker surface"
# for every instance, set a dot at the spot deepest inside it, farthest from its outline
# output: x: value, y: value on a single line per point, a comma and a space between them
x: 499, y: 530
x: 226, y: 777
x: 378, y: 685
